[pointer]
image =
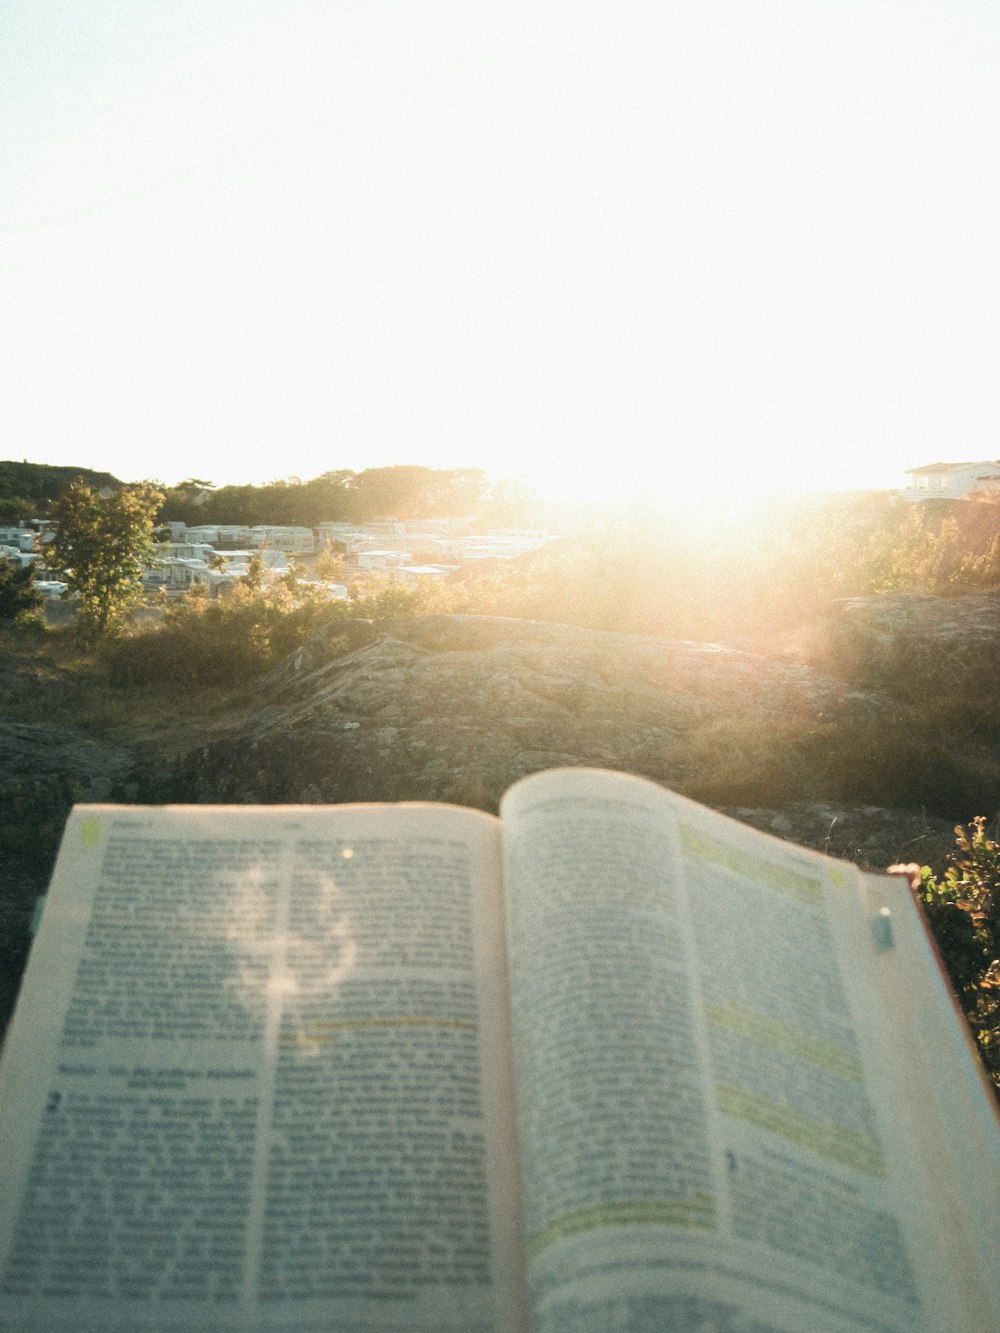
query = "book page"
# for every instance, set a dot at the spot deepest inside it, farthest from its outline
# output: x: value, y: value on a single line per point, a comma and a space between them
x: 711, y: 1129
x: 957, y: 1128
x: 259, y: 1077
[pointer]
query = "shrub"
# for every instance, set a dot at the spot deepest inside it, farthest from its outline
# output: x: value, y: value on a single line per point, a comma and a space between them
x: 18, y: 598
x: 234, y: 638
x: 963, y: 908
x: 941, y: 549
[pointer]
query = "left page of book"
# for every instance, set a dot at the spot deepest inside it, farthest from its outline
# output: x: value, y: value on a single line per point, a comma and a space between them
x: 259, y: 1076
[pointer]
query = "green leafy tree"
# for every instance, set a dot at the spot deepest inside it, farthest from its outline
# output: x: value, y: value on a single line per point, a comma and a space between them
x: 13, y: 509
x: 103, y: 543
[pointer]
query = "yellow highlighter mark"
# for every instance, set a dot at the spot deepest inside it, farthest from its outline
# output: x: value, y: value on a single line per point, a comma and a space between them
x: 788, y: 1041
x: 861, y: 1152
x: 837, y: 877
x: 805, y: 888
x: 324, y: 1034
x: 695, y: 1212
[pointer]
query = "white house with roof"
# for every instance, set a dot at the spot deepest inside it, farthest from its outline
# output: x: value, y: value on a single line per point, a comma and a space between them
x: 282, y: 537
x: 181, y: 565
x: 15, y: 556
x: 952, y: 481
x: 384, y: 559
x: 20, y: 537
x: 231, y: 535
x: 237, y: 563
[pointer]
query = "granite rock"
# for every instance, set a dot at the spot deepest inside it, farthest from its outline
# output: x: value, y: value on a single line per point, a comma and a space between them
x: 456, y: 708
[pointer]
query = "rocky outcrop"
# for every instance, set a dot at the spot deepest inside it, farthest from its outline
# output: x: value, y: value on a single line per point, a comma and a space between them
x: 456, y: 708
x: 866, y: 834
x: 938, y: 658
x: 44, y: 769
x: 889, y: 640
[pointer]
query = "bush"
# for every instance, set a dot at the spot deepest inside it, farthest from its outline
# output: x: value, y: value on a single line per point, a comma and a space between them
x: 963, y: 908
x: 937, y: 548
x: 237, y: 637
x: 18, y: 598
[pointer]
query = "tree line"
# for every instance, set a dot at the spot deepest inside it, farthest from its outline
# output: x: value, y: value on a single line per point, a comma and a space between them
x: 30, y: 490
x: 404, y: 492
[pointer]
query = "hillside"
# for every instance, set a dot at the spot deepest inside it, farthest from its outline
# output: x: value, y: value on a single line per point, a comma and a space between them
x: 27, y: 489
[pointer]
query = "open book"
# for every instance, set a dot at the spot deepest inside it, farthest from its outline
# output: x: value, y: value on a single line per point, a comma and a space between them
x: 610, y: 1062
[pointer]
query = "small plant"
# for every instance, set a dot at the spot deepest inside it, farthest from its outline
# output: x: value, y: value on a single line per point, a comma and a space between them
x: 963, y: 908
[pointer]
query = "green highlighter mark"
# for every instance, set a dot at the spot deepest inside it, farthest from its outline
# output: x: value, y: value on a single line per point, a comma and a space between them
x: 90, y: 832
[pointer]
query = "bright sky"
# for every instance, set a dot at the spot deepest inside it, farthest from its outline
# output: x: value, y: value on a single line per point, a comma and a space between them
x: 649, y: 246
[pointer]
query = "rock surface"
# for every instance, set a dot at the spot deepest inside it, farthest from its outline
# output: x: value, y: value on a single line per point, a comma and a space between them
x: 870, y: 638
x: 867, y: 834
x: 44, y: 769
x: 456, y: 708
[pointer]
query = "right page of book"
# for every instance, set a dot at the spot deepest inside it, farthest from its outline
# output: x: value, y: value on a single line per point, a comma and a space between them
x: 717, y: 1126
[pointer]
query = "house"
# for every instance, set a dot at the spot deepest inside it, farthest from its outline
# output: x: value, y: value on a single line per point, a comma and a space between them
x: 952, y: 481
x: 291, y: 540
x: 229, y: 535
x: 177, y: 574
x: 50, y: 588
x: 16, y: 556
x: 236, y: 564
x: 386, y: 559
x: 412, y: 573
x: 189, y: 551
x: 20, y: 537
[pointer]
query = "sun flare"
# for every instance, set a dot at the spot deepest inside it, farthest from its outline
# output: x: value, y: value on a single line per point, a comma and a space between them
x: 659, y: 256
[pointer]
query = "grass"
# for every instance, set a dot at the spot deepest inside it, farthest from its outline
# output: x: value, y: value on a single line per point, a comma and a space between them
x: 67, y: 685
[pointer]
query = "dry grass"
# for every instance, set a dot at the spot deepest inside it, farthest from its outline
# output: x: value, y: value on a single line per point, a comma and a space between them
x: 51, y: 679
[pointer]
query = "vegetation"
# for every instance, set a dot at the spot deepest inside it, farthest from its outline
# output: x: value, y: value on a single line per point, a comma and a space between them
x: 765, y: 591
x: 28, y: 490
x: 206, y: 641
x: 940, y: 548
x: 18, y: 597
x: 334, y: 497
x: 103, y: 544
x: 963, y: 908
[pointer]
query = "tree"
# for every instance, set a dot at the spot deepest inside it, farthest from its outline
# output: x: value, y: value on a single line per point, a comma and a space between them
x: 103, y: 543
x: 13, y: 509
